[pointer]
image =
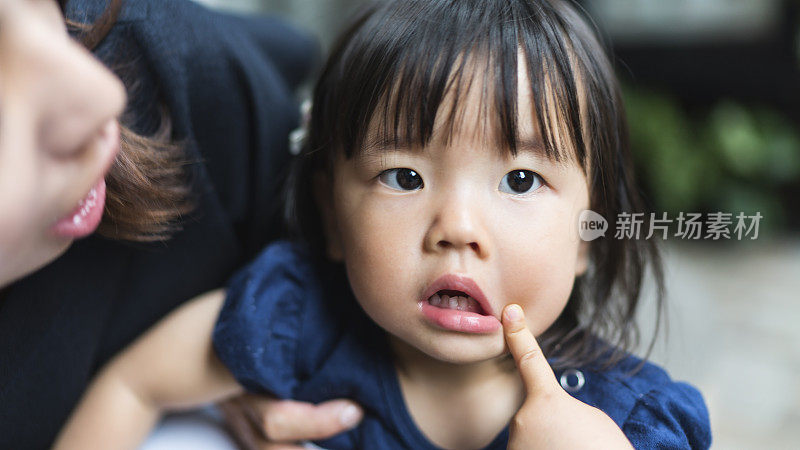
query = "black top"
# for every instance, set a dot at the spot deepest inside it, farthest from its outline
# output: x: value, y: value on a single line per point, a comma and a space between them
x: 227, y: 82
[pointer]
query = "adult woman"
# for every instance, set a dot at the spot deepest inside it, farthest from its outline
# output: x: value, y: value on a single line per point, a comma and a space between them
x: 218, y: 86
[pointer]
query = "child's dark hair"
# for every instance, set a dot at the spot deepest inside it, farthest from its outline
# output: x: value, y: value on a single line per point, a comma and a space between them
x: 398, y: 61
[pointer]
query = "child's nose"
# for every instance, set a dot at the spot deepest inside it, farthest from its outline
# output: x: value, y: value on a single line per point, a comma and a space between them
x: 456, y: 224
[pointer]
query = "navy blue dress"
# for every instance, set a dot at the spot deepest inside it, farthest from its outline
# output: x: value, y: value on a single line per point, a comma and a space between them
x: 286, y: 331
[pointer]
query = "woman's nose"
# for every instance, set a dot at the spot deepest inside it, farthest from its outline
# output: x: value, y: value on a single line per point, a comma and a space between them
x: 457, y: 225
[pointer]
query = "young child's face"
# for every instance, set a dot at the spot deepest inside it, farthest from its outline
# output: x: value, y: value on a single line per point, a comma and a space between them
x: 465, y: 216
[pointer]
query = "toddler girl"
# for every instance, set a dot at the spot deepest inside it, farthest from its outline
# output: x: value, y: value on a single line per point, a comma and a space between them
x: 451, y: 148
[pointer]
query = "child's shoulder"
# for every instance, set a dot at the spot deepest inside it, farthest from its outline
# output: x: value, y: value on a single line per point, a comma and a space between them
x: 280, y: 255
x: 651, y: 408
x: 259, y: 328
x: 281, y: 320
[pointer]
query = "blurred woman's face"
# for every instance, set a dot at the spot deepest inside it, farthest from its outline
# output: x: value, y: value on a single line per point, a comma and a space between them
x: 58, y: 136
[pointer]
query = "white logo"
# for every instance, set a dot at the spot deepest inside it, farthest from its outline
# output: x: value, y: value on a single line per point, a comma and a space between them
x: 591, y: 225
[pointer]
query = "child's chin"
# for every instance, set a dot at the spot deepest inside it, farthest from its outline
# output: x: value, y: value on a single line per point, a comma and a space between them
x: 466, y: 352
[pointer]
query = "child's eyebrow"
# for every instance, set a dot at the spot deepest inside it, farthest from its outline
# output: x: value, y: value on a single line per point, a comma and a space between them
x: 534, y: 146
x: 376, y: 145
x: 531, y: 144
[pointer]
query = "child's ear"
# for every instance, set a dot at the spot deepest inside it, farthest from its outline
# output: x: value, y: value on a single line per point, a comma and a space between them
x: 582, y: 262
x: 323, y: 195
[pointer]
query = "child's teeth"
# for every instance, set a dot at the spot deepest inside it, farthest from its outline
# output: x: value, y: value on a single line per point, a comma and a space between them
x: 457, y: 302
x: 453, y: 303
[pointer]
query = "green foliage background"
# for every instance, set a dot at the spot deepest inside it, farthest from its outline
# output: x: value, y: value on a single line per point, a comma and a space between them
x: 731, y: 157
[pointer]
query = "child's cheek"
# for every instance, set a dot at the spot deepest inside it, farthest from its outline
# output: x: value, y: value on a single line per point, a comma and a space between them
x: 376, y: 227
x: 377, y: 235
x: 537, y: 254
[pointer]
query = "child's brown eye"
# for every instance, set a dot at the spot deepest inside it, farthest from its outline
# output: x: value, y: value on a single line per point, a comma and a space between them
x: 401, y: 179
x: 520, y: 182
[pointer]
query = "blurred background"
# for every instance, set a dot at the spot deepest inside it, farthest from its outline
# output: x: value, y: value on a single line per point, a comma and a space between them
x: 712, y: 89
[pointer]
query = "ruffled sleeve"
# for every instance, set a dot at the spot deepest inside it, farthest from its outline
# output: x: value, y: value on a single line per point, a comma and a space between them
x: 259, y: 327
x: 672, y: 416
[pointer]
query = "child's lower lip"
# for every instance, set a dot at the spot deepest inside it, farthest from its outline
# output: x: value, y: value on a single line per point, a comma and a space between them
x: 456, y: 320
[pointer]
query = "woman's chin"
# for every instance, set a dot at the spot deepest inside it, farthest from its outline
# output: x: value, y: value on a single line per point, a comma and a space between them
x: 48, y: 250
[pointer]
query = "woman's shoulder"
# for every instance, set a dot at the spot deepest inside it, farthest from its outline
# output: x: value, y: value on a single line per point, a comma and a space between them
x: 652, y: 409
x: 197, y: 54
x: 198, y: 28
x: 185, y: 36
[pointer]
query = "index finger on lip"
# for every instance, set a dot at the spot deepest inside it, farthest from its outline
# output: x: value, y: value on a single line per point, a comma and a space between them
x: 533, y: 366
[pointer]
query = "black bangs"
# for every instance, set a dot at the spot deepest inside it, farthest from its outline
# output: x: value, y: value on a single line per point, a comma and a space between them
x: 407, y: 67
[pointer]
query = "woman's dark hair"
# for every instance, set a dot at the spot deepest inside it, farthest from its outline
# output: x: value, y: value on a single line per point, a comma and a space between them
x: 399, y: 60
x: 147, y: 187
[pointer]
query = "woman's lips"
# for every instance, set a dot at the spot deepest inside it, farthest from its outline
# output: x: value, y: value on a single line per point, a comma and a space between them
x: 85, y: 218
x: 456, y: 303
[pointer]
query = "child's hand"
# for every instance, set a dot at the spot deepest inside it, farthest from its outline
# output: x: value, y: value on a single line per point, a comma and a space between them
x: 550, y: 417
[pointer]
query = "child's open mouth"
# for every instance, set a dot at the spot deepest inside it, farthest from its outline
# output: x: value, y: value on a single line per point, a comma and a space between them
x: 455, y: 302
x: 458, y: 300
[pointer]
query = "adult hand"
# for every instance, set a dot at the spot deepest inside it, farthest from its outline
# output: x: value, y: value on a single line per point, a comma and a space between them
x: 550, y: 417
x: 265, y: 423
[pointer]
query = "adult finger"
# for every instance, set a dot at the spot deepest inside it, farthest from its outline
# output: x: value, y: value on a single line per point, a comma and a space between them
x: 537, y: 375
x: 245, y: 433
x: 240, y: 427
x: 289, y: 420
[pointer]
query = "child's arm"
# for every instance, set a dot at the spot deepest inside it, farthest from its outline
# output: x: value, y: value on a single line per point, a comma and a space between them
x: 172, y: 366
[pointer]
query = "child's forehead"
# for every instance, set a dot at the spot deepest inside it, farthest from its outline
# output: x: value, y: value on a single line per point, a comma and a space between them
x: 476, y: 109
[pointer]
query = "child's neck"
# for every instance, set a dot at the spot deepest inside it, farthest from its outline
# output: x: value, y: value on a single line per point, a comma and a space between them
x: 458, y: 405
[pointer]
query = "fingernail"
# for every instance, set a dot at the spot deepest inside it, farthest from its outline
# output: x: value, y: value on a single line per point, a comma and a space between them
x: 350, y: 416
x: 513, y: 313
